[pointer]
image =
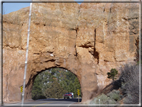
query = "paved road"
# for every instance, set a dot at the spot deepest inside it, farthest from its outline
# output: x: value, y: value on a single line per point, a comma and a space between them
x: 47, y: 102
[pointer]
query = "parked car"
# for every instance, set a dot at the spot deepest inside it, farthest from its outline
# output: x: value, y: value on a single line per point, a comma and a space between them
x: 68, y: 95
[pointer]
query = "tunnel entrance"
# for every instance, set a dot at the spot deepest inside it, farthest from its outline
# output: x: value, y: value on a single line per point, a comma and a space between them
x: 55, y: 83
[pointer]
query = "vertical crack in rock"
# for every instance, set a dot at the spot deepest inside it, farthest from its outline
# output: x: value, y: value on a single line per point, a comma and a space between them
x: 104, y: 9
x: 96, y: 54
x: 137, y: 49
x: 79, y: 10
x: 77, y: 29
x: 75, y: 41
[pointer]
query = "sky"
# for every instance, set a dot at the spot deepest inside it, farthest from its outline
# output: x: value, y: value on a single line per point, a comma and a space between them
x: 11, y: 7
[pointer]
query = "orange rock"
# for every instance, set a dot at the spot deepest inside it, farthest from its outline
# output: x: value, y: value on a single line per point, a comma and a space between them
x: 87, y: 39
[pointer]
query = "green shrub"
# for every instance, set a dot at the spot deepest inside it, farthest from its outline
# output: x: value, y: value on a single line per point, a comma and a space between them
x: 113, y: 72
x: 38, y: 97
x: 115, y: 95
x: 103, y: 99
x: 111, y: 101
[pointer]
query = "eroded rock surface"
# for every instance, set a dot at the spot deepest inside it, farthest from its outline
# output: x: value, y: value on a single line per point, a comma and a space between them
x: 87, y: 39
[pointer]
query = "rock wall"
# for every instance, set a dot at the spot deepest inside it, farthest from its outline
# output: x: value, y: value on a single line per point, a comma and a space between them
x: 87, y: 39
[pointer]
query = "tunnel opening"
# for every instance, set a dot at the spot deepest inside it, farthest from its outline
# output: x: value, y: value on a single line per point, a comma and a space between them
x: 56, y: 83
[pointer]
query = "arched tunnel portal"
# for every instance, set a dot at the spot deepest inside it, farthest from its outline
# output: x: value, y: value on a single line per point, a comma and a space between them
x: 55, y: 83
x: 88, y: 85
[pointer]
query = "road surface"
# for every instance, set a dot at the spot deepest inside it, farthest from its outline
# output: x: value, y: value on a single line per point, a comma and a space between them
x: 47, y: 103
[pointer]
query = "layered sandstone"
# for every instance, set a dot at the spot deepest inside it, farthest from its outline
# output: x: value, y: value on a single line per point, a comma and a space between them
x: 87, y: 39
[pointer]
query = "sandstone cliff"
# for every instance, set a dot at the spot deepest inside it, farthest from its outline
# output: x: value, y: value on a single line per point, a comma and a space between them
x: 87, y: 39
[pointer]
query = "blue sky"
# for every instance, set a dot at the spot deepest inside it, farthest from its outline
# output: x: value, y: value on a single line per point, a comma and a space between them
x: 10, y: 7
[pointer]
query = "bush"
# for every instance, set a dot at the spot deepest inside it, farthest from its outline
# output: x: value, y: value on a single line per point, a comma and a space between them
x: 130, y: 83
x: 38, y: 97
x: 104, y: 99
x: 115, y: 95
x: 113, y: 72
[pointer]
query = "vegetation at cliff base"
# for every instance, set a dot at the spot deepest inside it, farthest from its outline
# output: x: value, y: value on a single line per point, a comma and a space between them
x: 124, y: 90
x: 130, y: 84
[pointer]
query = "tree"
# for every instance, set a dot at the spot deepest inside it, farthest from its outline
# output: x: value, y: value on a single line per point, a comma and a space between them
x: 55, y: 81
x: 54, y: 91
x: 37, y: 89
x: 113, y: 72
x: 76, y: 86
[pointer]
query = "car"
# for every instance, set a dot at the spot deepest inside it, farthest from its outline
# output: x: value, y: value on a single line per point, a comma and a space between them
x: 68, y: 95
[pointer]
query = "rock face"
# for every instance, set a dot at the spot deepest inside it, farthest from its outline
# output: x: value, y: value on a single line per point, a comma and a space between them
x: 87, y: 39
